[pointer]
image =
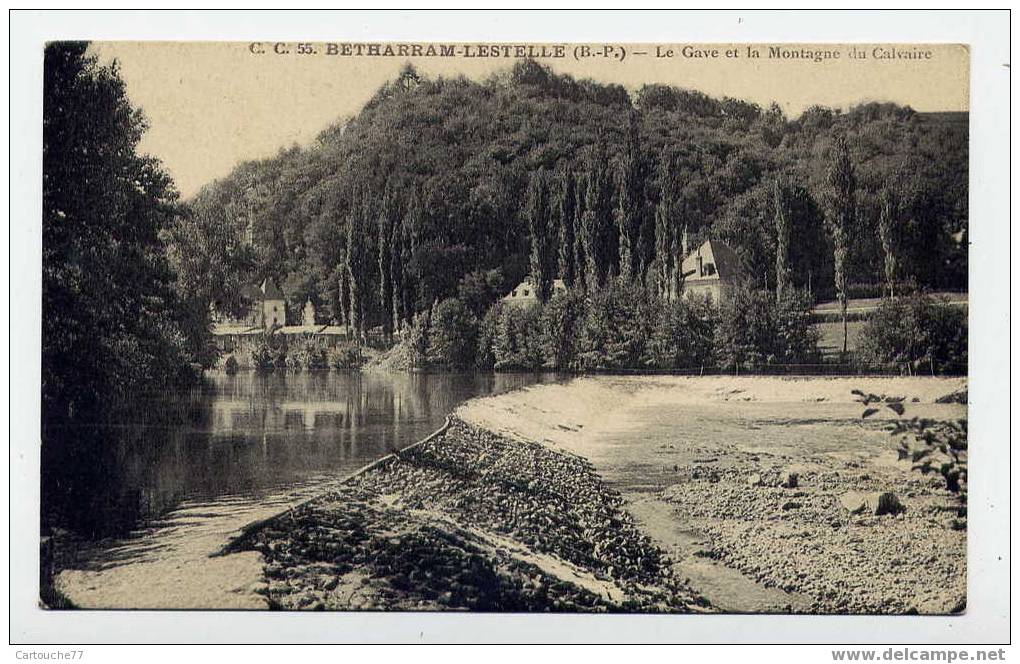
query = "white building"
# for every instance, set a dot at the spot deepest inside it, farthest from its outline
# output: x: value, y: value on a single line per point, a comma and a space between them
x: 711, y: 269
x: 525, y: 294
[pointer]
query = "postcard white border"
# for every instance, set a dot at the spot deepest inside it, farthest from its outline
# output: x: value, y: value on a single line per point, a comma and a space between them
x: 987, y: 616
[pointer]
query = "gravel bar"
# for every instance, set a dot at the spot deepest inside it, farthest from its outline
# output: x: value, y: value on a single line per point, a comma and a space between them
x: 469, y: 520
x: 821, y: 537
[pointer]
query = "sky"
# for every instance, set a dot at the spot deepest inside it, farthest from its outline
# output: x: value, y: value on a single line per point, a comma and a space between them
x: 213, y: 105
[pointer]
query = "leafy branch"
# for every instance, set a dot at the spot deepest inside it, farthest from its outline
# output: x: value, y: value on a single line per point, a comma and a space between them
x: 931, y: 446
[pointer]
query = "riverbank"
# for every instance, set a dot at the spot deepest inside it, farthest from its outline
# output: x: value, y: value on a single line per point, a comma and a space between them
x: 243, y: 448
x: 604, y: 493
x: 468, y: 520
x: 704, y: 466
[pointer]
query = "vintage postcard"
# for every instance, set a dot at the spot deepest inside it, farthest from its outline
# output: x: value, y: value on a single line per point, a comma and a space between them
x: 505, y: 327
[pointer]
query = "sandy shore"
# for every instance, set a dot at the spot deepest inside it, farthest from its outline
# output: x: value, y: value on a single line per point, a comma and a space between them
x: 704, y: 468
x: 168, y: 565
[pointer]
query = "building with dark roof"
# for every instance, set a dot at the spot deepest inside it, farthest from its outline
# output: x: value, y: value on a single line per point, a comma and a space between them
x: 268, y: 309
x: 273, y: 306
x: 711, y: 271
x: 526, y: 295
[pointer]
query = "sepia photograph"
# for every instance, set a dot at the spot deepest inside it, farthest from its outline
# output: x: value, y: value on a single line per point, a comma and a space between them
x: 505, y: 327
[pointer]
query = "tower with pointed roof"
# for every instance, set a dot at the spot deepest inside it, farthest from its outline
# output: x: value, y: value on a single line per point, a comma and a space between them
x: 274, y: 308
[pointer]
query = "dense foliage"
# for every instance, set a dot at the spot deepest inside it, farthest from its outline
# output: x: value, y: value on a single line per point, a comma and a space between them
x: 310, y: 354
x: 449, y: 184
x: 271, y: 352
x: 754, y: 329
x: 453, y: 335
x: 921, y: 333
x: 113, y: 319
x: 622, y: 327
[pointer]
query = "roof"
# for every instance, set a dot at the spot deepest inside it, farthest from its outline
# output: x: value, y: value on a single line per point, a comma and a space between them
x: 556, y: 287
x: 251, y: 292
x: 267, y: 291
x: 727, y: 261
x: 724, y: 262
x: 270, y: 290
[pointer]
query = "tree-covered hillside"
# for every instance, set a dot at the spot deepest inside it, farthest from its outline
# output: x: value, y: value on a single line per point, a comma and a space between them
x: 451, y: 186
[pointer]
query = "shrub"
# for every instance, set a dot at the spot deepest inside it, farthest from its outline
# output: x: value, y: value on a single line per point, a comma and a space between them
x: 293, y: 358
x: 262, y: 356
x: 796, y: 339
x: 615, y: 328
x: 412, y: 351
x: 682, y: 335
x: 316, y: 358
x: 487, y: 330
x: 345, y: 356
x: 560, y: 321
x: 745, y: 333
x: 453, y: 335
x: 920, y: 332
x: 931, y: 446
x: 230, y: 364
x: 754, y: 329
x: 516, y: 341
x: 307, y: 354
x: 279, y: 352
x: 479, y: 289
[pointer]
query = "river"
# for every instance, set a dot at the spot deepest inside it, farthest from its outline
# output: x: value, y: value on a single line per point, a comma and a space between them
x: 244, y: 436
x: 149, y: 494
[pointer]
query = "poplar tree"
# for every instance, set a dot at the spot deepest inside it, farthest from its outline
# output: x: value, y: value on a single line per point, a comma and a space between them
x: 668, y: 245
x: 351, y: 265
x: 343, y: 285
x: 596, y: 221
x: 589, y: 236
x: 543, y: 255
x: 410, y: 238
x: 386, y: 223
x: 567, y: 208
x: 396, y: 267
x: 580, y: 234
x: 629, y: 180
x: 356, y: 265
x: 782, y: 223
x: 840, y: 217
x: 886, y: 221
x: 664, y: 246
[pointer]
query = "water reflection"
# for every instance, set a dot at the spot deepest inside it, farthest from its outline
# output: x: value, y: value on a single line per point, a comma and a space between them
x: 244, y: 436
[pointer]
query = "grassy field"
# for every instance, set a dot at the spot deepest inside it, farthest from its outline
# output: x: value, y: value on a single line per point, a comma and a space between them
x: 831, y: 329
x: 831, y: 341
x: 867, y: 304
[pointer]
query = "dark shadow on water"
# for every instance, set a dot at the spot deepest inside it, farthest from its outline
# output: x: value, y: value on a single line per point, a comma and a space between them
x: 235, y: 439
